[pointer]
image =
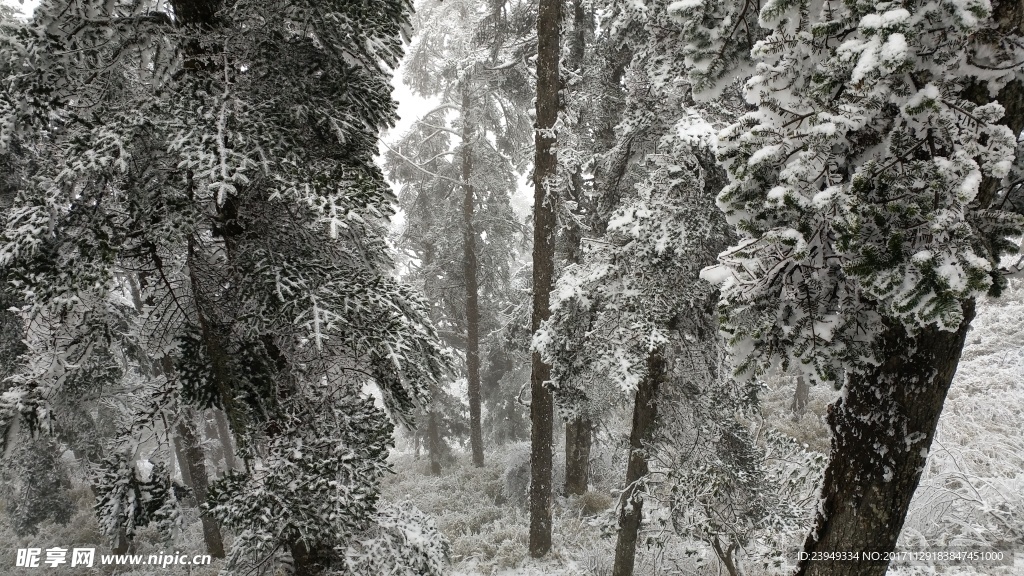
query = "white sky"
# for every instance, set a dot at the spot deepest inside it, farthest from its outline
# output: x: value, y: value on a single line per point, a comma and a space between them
x: 26, y: 6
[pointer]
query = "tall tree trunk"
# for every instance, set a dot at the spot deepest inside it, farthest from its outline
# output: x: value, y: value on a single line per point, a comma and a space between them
x: 578, y: 440
x: 182, y: 460
x: 800, y: 398
x: 645, y: 414
x: 195, y: 460
x: 469, y: 268
x: 434, y: 443
x: 224, y: 434
x: 541, y: 412
x: 882, y: 428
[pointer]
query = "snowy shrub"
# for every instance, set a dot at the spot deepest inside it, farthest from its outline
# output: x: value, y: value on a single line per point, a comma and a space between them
x: 517, y: 474
x: 38, y: 486
x: 776, y: 406
x: 749, y: 501
x: 485, y: 532
x: 403, y: 542
x: 594, y: 503
x: 517, y: 477
x: 133, y: 495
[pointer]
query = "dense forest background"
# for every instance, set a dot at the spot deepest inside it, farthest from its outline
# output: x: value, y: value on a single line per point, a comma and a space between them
x: 614, y: 287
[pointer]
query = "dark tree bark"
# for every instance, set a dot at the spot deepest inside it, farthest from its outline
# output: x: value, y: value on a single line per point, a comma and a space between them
x: 645, y: 415
x: 179, y: 456
x: 434, y: 444
x: 469, y: 267
x: 224, y: 434
x: 866, y: 490
x: 882, y: 429
x: 198, y: 13
x: 121, y: 543
x: 309, y: 561
x: 800, y: 398
x: 578, y: 440
x: 541, y: 413
x: 195, y: 461
x: 727, y: 555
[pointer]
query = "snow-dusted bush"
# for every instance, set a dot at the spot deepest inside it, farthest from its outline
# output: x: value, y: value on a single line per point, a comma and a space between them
x: 403, y: 542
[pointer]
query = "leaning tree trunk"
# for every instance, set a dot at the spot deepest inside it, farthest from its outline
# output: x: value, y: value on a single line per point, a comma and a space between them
x: 469, y: 268
x: 541, y: 410
x: 195, y: 460
x: 882, y: 428
x: 645, y: 414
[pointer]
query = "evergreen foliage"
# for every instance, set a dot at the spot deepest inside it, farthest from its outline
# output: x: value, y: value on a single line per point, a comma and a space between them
x: 866, y: 185
x: 869, y: 186
x: 192, y: 218
x: 473, y: 141
x: 205, y: 207
x: 635, y: 303
x: 37, y: 486
x: 132, y: 495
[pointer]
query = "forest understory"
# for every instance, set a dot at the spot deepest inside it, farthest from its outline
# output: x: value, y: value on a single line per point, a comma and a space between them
x: 971, y: 494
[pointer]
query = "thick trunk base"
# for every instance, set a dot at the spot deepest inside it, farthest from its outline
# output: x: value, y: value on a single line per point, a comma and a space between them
x: 542, y: 416
x: 882, y: 429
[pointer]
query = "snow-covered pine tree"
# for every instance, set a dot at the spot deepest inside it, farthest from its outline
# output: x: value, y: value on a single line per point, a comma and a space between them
x: 220, y: 155
x: 480, y: 82
x: 421, y: 162
x: 585, y: 78
x: 869, y: 188
x: 545, y: 172
x: 633, y: 314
